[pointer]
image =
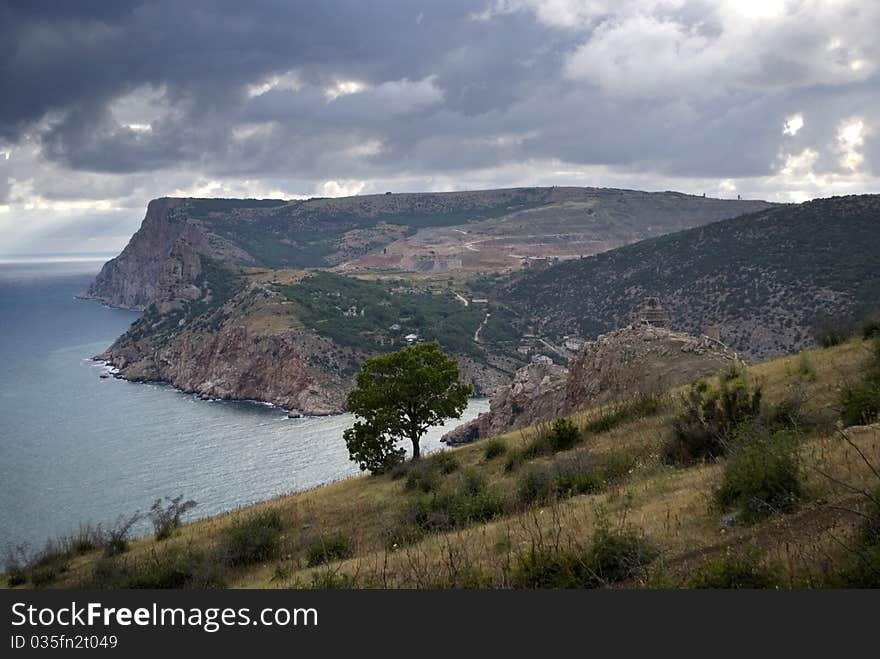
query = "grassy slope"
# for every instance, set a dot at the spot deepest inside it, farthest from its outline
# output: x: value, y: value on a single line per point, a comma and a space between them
x: 671, y: 505
x: 765, y: 278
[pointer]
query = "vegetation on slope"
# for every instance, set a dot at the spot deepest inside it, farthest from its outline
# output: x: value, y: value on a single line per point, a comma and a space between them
x: 374, y: 316
x: 767, y: 279
x: 306, y: 234
x: 596, y: 504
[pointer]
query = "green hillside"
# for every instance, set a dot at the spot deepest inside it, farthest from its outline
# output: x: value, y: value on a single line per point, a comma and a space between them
x: 771, y: 280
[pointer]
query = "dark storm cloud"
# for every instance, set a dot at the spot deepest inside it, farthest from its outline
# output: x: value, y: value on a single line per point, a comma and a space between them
x: 680, y: 89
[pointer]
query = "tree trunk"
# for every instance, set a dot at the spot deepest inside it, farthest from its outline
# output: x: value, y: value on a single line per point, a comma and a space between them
x: 415, y: 443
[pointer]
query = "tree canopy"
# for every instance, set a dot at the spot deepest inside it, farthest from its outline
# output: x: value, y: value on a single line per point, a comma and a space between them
x: 398, y: 397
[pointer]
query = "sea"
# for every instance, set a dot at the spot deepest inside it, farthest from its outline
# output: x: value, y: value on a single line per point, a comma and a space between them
x: 80, y: 449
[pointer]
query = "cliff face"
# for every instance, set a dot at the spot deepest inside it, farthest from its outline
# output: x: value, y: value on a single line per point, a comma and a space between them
x: 239, y: 347
x: 130, y: 280
x: 634, y: 360
x: 535, y: 394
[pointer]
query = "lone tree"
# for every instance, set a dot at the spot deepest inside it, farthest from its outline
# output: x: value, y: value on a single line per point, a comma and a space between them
x: 399, y: 396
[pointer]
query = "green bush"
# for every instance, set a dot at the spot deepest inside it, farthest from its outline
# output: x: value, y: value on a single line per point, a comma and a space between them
x: 613, y: 556
x: 426, y: 474
x: 617, y: 466
x: 253, y: 540
x: 710, y: 417
x: 466, y: 501
x: 762, y: 476
x: 174, y: 568
x: 15, y: 576
x: 619, y: 555
x: 860, y: 403
x: 575, y: 475
x: 564, y: 435
x: 423, y: 478
x: 870, y: 328
x: 333, y: 580
x: 805, y: 368
x: 536, y: 485
x: 494, y: 448
x: 327, y: 548
x: 744, y: 569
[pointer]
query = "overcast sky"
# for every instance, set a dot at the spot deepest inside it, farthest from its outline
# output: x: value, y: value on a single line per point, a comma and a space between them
x: 106, y: 105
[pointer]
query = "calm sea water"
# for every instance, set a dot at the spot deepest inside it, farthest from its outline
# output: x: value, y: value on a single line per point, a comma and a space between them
x: 76, y: 448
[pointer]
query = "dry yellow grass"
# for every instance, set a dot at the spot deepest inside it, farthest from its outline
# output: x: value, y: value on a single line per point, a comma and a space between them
x: 672, y: 506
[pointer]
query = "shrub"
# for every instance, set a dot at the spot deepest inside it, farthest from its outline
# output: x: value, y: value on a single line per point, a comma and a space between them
x: 789, y: 414
x: 494, y: 448
x: 327, y: 548
x: 805, y: 368
x: 333, y: 580
x: 870, y: 328
x: 15, y: 576
x: 466, y: 501
x: 761, y: 477
x: 117, y: 535
x: 444, y: 462
x: 710, y: 417
x: 613, y: 556
x: 15, y: 561
x: 426, y: 475
x: 253, y: 540
x: 422, y: 478
x: 617, y: 465
x: 87, y: 538
x: 743, y: 569
x: 575, y: 475
x: 174, y: 568
x: 536, y: 485
x: 860, y: 403
x: 564, y: 435
x: 619, y: 555
x: 166, y: 519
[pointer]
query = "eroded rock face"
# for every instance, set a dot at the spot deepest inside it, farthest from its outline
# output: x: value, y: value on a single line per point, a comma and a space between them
x: 242, y: 359
x: 132, y: 279
x: 537, y: 393
x: 640, y: 359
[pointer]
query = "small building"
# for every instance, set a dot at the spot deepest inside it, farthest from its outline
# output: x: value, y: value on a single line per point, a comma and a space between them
x: 652, y: 313
x: 411, y: 338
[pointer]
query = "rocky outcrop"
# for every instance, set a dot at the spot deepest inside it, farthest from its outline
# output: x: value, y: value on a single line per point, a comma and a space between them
x: 634, y: 360
x: 535, y: 394
x: 131, y: 280
x: 640, y: 359
x: 236, y: 351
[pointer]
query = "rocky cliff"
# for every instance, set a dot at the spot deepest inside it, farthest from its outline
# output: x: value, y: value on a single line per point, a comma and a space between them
x: 220, y: 335
x: 637, y: 359
x: 131, y: 280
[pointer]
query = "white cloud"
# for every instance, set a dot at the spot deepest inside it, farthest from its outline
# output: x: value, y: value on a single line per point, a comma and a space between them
x: 287, y: 81
x: 343, y: 88
x: 340, y: 188
x: 793, y: 124
x: 850, y: 138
